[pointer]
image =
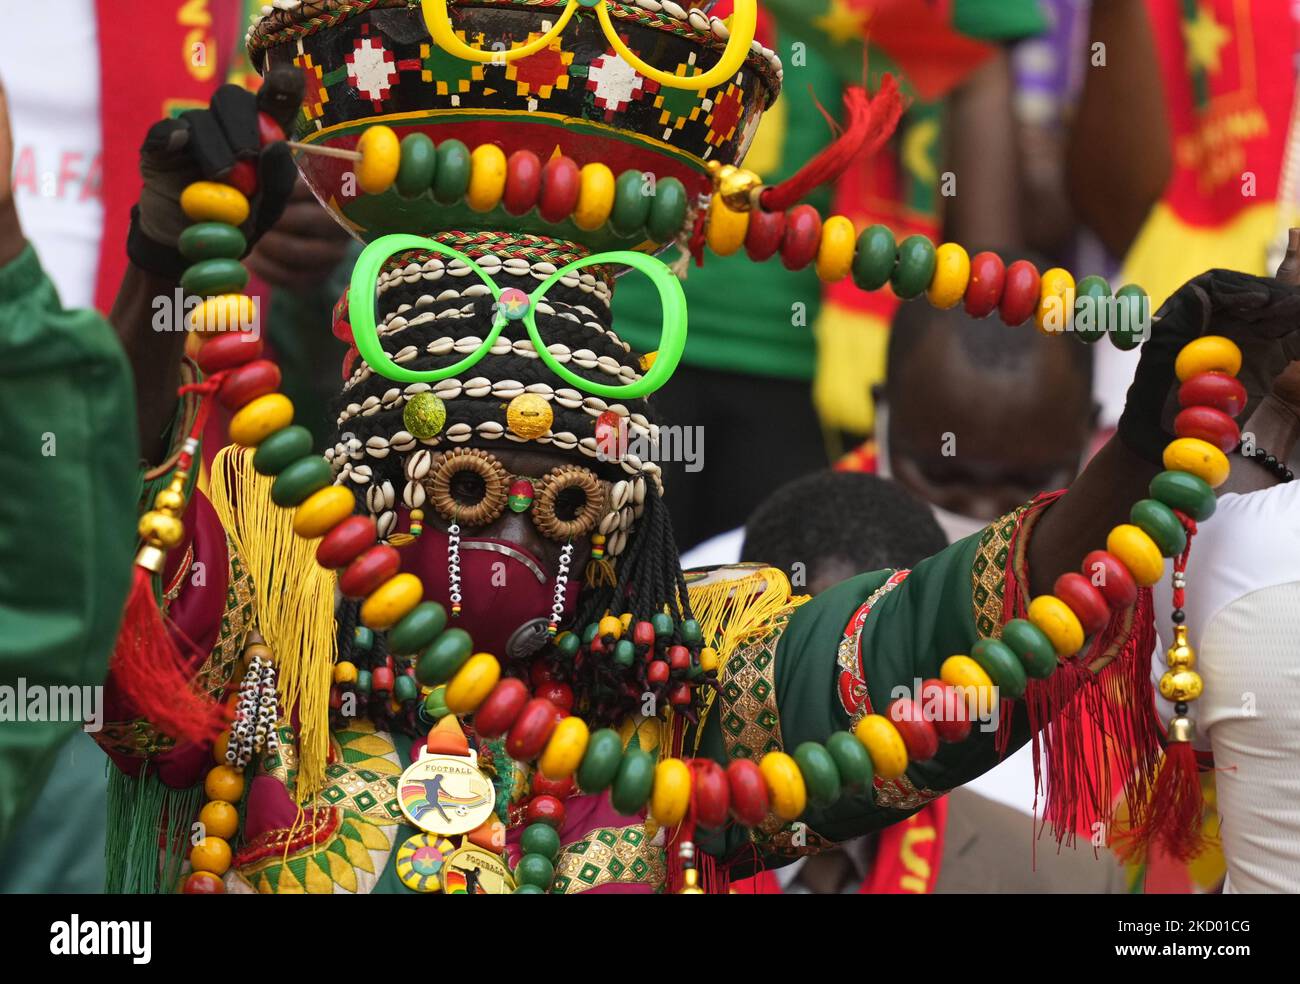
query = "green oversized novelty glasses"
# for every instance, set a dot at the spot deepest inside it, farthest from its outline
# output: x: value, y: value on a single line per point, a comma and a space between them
x: 365, y: 332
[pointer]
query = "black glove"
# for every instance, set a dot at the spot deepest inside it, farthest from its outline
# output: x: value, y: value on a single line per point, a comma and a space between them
x: 1260, y: 314
x: 206, y: 144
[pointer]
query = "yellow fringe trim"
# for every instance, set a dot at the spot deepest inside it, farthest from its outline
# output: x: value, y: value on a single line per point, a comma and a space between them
x: 1168, y: 251
x: 295, y: 614
x: 734, y: 611
x: 851, y: 350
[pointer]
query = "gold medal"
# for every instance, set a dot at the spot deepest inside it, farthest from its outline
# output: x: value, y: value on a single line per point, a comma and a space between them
x: 420, y: 860
x: 474, y: 871
x: 446, y: 794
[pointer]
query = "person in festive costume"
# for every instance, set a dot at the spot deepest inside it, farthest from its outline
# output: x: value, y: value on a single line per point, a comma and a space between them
x: 493, y: 429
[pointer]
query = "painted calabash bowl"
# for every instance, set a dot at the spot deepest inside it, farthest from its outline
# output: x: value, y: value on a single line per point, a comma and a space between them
x: 374, y: 61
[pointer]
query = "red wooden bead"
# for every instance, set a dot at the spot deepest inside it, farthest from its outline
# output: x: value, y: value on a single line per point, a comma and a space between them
x: 1088, y: 604
x: 561, y: 789
x: 539, y: 674
x: 336, y: 697
x: 545, y: 809
x: 343, y: 544
x: 988, y: 276
x: 229, y: 351
x: 559, y: 694
x: 1210, y: 425
x: 1019, y: 293
x: 268, y: 130
x: 643, y: 634
x: 243, y: 176
x: 523, y: 182
x: 1107, y: 574
x: 247, y: 383
x: 766, y: 230
x: 1214, y: 389
x: 496, y: 714
x: 532, y: 730
x: 803, y: 237
x: 561, y: 184
x: 749, y: 801
x: 946, y: 710
x: 369, y: 571
x: 657, y: 671
x: 203, y: 883
x: 680, y: 695
x: 381, y: 679
x: 710, y: 793
x: 918, y: 734
x: 679, y: 657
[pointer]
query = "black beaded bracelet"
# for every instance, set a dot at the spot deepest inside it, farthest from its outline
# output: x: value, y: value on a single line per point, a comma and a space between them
x: 1279, y: 468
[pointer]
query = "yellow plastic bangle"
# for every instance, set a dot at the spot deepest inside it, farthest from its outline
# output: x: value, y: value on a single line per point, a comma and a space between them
x: 438, y: 20
x: 744, y: 24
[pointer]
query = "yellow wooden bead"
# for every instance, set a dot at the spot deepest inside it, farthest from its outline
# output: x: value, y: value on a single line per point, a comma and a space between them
x: 472, y: 683
x: 836, y: 251
x: 345, y: 671
x: 1202, y: 459
x: 224, y: 782
x: 951, y: 275
x: 626, y: 620
x: 323, y: 510
x: 726, y: 229
x: 219, y: 819
x: 610, y: 625
x: 381, y: 155
x: 1210, y: 353
x: 212, y: 201
x: 971, y: 682
x: 884, y: 744
x: 563, y: 753
x: 219, y: 747
x: 670, y: 796
x: 1055, y: 302
x: 224, y: 313
x: 708, y: 659
x: 595, y: 197
x: 210, y: 854
x: 1138, y: 552
x: 785, y: 785
x: 487, y: 177
x: 391, y: 600
x: 253, y: 422
x: 1058, y: 623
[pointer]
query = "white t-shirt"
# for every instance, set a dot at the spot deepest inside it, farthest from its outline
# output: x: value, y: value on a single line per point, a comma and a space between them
x: 54, y: 111
x: 1243, y: 620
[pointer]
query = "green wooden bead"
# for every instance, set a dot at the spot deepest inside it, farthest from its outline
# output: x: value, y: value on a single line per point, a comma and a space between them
x: 691, y: 631
x: 363, y: 637
x: 540, y: 838
x: 667, y: 210
x: 451, y: 179
x: 219, y: 275
x: 418, y: 165
x: 851, y: 759
x: 820, y: 775
x: 534, y: 869
x: 363, y: 681
x: 417, y: 629
x: 600, y: 761
x: 631, y: 209
x: 915, y: 269
x: 210, y: 241
x: 444, y: 656
x: 1132, y: 317
x: 405, y: 688
x: 1158, y: 521
x: 873, y: 263
x: 528, y: 890
x: 624, y: 653
x: 1091, y: 309
x: 633, y: 782
x: 301, y: 479
x: 1185, y: 492
x: 282, y: 449
x: 435, y: 704
x: 662, y: 623
x: 569, y: 644
x: 1003, y: 666
x: 590, y: 631
x: 1030, y: 643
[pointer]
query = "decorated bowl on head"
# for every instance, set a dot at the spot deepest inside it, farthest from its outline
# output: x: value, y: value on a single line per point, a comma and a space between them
x: 597, y: 81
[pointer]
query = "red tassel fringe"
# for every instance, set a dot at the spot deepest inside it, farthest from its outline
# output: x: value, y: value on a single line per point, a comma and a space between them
x: 869, y: 122
x: 154, y: 675
x: 1172, y: 820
